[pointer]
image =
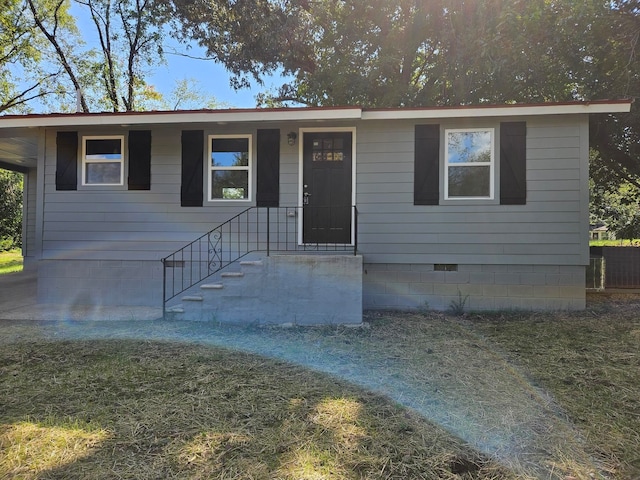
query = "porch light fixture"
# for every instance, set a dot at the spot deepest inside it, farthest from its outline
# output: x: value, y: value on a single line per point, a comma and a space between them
x: 291, y: 138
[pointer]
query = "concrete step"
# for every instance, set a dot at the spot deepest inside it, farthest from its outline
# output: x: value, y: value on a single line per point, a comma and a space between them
x: 192, y: 298
x: 232, y: 275
x: 212, y: 286
x: 251, y: 263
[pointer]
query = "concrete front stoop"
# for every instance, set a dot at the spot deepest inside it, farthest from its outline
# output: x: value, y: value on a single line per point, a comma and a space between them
x: 280, y: 290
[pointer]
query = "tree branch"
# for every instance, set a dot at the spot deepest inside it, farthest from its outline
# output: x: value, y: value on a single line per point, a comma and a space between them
x: 601, y: 140
x: 193, y: 57
x: 56, y: 45
x: 22, y: 97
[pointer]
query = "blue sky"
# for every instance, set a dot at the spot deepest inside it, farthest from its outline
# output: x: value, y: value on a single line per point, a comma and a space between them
x: 212, y: 77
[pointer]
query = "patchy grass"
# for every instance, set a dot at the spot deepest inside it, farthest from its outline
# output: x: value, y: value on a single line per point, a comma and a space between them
x: 420, y: 396
x: 615, y: 243
x: 10, y: 261
x: 165, y: 410
x: 590, y: 363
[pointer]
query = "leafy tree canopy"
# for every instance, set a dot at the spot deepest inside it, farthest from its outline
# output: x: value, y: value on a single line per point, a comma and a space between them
x: 10, y: 209
x: 22, y: 78
x: 380, y: 53
x: 44, y: 56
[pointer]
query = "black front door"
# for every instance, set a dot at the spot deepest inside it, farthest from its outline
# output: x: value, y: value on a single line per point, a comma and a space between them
x: 326, y: 188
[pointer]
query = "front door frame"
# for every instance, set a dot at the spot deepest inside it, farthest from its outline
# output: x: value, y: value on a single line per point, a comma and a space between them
x: 301, y: 132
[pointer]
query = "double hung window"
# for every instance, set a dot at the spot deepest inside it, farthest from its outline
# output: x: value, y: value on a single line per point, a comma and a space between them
x: 469, y: 163
x: 103, y: 160
x: 229, y: 167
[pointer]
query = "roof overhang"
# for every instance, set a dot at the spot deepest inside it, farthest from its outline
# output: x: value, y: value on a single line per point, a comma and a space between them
x: 307, y: 114
x: 181, y: 117
x: 482, y: 111
x: 19, y: 133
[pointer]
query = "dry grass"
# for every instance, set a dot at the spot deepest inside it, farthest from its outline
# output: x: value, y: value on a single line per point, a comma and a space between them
x: 166, y: 410
x: 491, y: 396
x: 590, y: 362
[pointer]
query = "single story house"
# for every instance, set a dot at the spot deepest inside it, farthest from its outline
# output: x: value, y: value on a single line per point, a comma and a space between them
x: 349, y: 207
x: 600, y: 232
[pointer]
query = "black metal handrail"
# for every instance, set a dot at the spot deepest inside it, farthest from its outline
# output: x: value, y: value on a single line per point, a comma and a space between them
x: 256, y: 229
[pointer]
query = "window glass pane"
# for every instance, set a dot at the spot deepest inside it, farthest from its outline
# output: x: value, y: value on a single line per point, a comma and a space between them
x: 229, y: 159
x: 230, y: 184
x: 103, y: 172
x: 469, y: 181
x: 103, y: 148
x: 230, y: 152
x: 469, y: 147
x: 328, y: 150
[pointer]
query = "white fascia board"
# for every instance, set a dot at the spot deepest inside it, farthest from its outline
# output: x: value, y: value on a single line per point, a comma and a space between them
x: 302, y: 115
x: 496, y: 111
x: 221, y: 117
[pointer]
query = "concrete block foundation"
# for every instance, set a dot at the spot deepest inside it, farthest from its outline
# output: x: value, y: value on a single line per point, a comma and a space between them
x: 319, y: 289
x: 480, y: 287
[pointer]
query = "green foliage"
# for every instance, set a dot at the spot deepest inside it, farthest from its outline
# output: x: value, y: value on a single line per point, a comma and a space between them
x: 21, y: 77
x: 10, y: 260
x: 44, y: 56
x: 631, y: 242
x: 457, y: 306
x: 130, y: 43
x: 11, y: 184
x: 407, y: 53
x: 614, y: 201
x: 187, y: 94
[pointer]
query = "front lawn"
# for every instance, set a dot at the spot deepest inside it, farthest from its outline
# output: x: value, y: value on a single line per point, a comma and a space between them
x: 10, y: 261
x: 415, y: 396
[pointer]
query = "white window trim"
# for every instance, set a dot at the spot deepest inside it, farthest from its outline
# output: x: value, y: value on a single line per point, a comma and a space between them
x: 85, y: 160
x: 248, y: 168
x: 491, y: 164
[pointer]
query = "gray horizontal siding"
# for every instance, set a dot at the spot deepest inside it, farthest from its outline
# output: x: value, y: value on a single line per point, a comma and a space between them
x: 116, y: 224
x: 472, y: 228
x: 424, y: 240
x: 549, y: 229
x: 492, y: 254
x: 494, y: 214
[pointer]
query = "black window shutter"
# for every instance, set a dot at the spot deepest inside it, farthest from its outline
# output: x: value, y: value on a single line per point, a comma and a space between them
x: 67, y: 161
x: 140, y: 160
x: 191, y: 189
x: 426, y: 180
x: 268, y: 168
x: 513, y: 163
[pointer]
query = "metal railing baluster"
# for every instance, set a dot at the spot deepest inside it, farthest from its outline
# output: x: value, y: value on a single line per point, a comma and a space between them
x: 224, y: 245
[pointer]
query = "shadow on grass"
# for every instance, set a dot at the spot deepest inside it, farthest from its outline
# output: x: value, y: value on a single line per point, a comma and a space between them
x: 131, y: 409
x: 447, y: 402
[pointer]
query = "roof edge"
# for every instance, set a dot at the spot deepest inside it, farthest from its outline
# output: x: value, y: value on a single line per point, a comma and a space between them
x: 181, y: 116
x: 309, y: 114
x: 466, y: 111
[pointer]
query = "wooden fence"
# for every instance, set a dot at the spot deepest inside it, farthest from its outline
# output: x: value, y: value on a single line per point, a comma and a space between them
x: 619, y: 267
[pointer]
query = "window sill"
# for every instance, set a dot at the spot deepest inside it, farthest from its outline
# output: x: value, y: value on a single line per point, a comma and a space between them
x: 469, y: 201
